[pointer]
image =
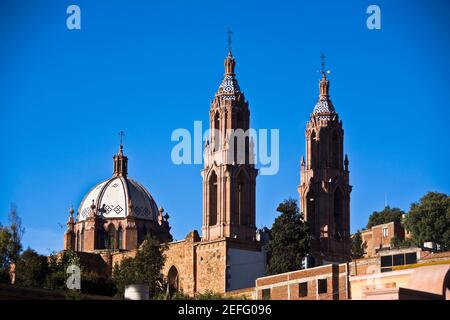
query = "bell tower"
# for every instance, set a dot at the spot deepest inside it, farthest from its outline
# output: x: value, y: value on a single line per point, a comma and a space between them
x: 229, y: 173
x: 324, y: 188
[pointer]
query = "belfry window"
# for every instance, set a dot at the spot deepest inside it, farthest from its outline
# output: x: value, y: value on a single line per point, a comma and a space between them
x: 241, y: 200
x: 216, y: 132
x: 311, y: 211
x: 338, y: 213
x: 213, y: 199
x: 335, y: 151
x: 313, y: 152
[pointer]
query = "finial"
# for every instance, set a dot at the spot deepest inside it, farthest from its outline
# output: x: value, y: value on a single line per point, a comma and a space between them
x: 324, y: 84
x: 302, y: 162
x: 71, y: 211
x: 323, y: 71
x: 230, y: 40
x: 121, y: 135
x: 346, y: 163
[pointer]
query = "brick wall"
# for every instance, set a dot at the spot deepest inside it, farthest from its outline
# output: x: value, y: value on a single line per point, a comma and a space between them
x: 327, y: 282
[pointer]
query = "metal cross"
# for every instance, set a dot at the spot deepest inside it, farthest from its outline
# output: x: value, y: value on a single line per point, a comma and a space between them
x: 322, y: 62
x: 229, y: 39
x: 121, y: 135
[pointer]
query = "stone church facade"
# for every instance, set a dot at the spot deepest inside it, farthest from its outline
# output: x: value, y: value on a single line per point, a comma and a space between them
x: 116, y: 214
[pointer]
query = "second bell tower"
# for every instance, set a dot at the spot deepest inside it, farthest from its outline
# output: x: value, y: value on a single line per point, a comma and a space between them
x: 324, y: 182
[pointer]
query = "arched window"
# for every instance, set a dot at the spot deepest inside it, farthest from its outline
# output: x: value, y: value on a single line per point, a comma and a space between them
x: 142, y: 232
x: 212, y: 185
x: 120, y: 238
x: 82, y: 240
x: 239, y: 120
x: 78, y: 246
x: 241, y: 210
x: 339, y: 214
x: 111, y: 237
x: 216, y: 132
x: 335, y: 150
x: 311, y: 212
x: 313, y: 153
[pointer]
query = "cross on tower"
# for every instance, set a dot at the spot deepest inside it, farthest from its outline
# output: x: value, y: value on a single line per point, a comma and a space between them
x: 230, y: 33
x: 322, y: 63
x: 121, y: 135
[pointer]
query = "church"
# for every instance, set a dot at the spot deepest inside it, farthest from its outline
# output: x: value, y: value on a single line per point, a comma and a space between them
x: 116, y: 214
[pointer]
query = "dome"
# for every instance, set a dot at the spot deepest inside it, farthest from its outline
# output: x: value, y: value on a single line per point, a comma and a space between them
x: 324, y: 105
x: 112, y: 197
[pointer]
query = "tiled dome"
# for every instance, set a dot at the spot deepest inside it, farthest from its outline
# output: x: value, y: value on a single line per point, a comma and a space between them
x: 112, y: 198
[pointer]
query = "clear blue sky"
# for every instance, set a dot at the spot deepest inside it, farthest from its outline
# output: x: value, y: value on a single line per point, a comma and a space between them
x: 149, y: 67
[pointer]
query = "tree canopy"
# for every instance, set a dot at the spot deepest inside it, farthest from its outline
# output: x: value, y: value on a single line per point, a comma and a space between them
x: 289, y: 239
x: 357, y: 246
x: 144, y: 268
x: 388, y: 214
x: 31, y: 269
x: 429, y: 220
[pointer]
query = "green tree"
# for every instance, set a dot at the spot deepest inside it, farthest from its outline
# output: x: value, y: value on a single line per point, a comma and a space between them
x: 145, y: 268
x: 398, y: 243
x: 429, y: 220
x: 358, y: 247
x: 31, y: 269
x: 388, y: 214
x: 58, y: 264
x: 17, y: 231
x: 5, y: 247
x: 290, y: 237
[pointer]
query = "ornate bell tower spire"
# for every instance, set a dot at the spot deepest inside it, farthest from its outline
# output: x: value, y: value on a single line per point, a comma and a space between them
x: 324, y: 181
x: 229, y: 177
x: 120, y: 161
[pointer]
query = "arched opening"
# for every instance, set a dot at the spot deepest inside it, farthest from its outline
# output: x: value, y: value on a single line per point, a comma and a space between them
x: 82, y: 240
x: 78, y: 245
x: 111, y: 237
x: 173, y: 280
x: 335, y: 150
x: 216, y: 131
x: 241, y: 209
x: 120, y: 238
x: 339, y: 214
x: 142, y: 232
x: 212, y: 185
x: 313, y: 153
x: 311, y: 211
